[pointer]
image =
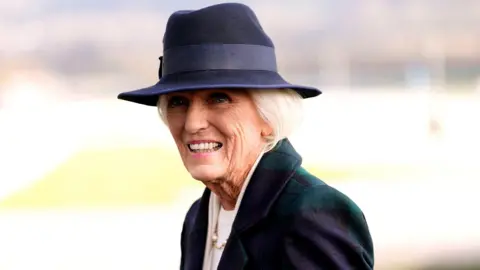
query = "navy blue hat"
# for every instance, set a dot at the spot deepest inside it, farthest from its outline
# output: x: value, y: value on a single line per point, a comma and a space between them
x: 220, y: 46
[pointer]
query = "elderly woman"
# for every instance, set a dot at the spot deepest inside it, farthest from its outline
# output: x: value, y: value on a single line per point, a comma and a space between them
x: 230, y: 114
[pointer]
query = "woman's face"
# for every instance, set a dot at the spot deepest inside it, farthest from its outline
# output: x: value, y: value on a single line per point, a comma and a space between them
x: 218, y: 132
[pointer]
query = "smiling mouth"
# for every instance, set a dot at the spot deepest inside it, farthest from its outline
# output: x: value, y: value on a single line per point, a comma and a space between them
x: 204, y: 147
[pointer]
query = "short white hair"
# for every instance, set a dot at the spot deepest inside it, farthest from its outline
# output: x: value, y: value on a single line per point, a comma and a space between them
x: 282, y: 109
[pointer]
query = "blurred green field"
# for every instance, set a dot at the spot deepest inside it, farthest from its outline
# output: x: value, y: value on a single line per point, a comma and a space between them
x: 134, y: 176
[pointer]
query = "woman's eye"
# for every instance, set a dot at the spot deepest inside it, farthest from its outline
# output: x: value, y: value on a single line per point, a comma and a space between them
x: 219, y: 98
x: 177, y: 101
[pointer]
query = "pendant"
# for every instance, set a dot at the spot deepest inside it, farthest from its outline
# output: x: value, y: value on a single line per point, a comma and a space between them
x: 215, y: 240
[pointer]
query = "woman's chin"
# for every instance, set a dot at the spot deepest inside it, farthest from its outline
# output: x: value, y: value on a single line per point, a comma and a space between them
x: 206, y: 173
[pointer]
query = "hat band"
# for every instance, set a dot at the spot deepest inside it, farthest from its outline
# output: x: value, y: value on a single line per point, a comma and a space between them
x: 218, y: 56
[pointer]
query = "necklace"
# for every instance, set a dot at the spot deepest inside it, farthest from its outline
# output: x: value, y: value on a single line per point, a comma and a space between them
x: 215, y: 240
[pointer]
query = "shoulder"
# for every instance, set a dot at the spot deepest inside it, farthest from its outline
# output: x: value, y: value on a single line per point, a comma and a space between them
x: 190, y: 218
x: 326, y: 219
x: 306, y: 192
x: 192, y: 212
x: 308, y: 201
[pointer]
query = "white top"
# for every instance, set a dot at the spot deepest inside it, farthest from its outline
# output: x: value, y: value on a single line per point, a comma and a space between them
x: 225, y: 222
x: 217, y: 216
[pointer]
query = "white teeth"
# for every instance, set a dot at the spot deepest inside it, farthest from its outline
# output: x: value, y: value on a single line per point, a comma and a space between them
x: 203, y: 146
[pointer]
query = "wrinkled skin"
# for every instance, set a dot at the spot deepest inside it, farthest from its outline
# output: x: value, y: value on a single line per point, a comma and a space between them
x: 225, y: 116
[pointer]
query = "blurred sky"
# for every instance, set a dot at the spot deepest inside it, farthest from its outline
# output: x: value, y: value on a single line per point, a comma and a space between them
x: 103, y: 47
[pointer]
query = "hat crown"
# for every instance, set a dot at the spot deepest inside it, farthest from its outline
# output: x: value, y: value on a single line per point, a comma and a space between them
x: 216, y: 47
x: 229, y: 23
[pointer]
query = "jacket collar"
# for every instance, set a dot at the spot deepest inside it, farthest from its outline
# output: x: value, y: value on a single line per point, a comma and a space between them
x: 268, y: 180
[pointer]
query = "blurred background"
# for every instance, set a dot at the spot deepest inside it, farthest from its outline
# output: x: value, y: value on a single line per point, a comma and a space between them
x: 91, y: 182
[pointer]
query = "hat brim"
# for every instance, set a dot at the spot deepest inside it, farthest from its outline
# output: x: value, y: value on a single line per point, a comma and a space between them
x: 214, y: 79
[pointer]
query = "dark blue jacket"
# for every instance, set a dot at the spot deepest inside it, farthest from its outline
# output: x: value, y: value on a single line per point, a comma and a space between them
x: 288, y: 219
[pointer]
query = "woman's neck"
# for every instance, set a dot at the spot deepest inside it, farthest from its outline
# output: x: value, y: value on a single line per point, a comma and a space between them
x: 227, y: 192
x: 229, y: 188
x: 228, y: 205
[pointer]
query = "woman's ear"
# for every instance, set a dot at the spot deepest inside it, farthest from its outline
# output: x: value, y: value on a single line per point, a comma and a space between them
x: 266, y: 131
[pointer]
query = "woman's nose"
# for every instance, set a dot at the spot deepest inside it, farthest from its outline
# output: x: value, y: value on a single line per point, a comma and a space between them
x: 196, y: 118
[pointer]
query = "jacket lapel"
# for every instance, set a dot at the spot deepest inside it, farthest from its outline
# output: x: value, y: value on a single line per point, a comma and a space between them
x: 270, y: 177
x: 234, y: 256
